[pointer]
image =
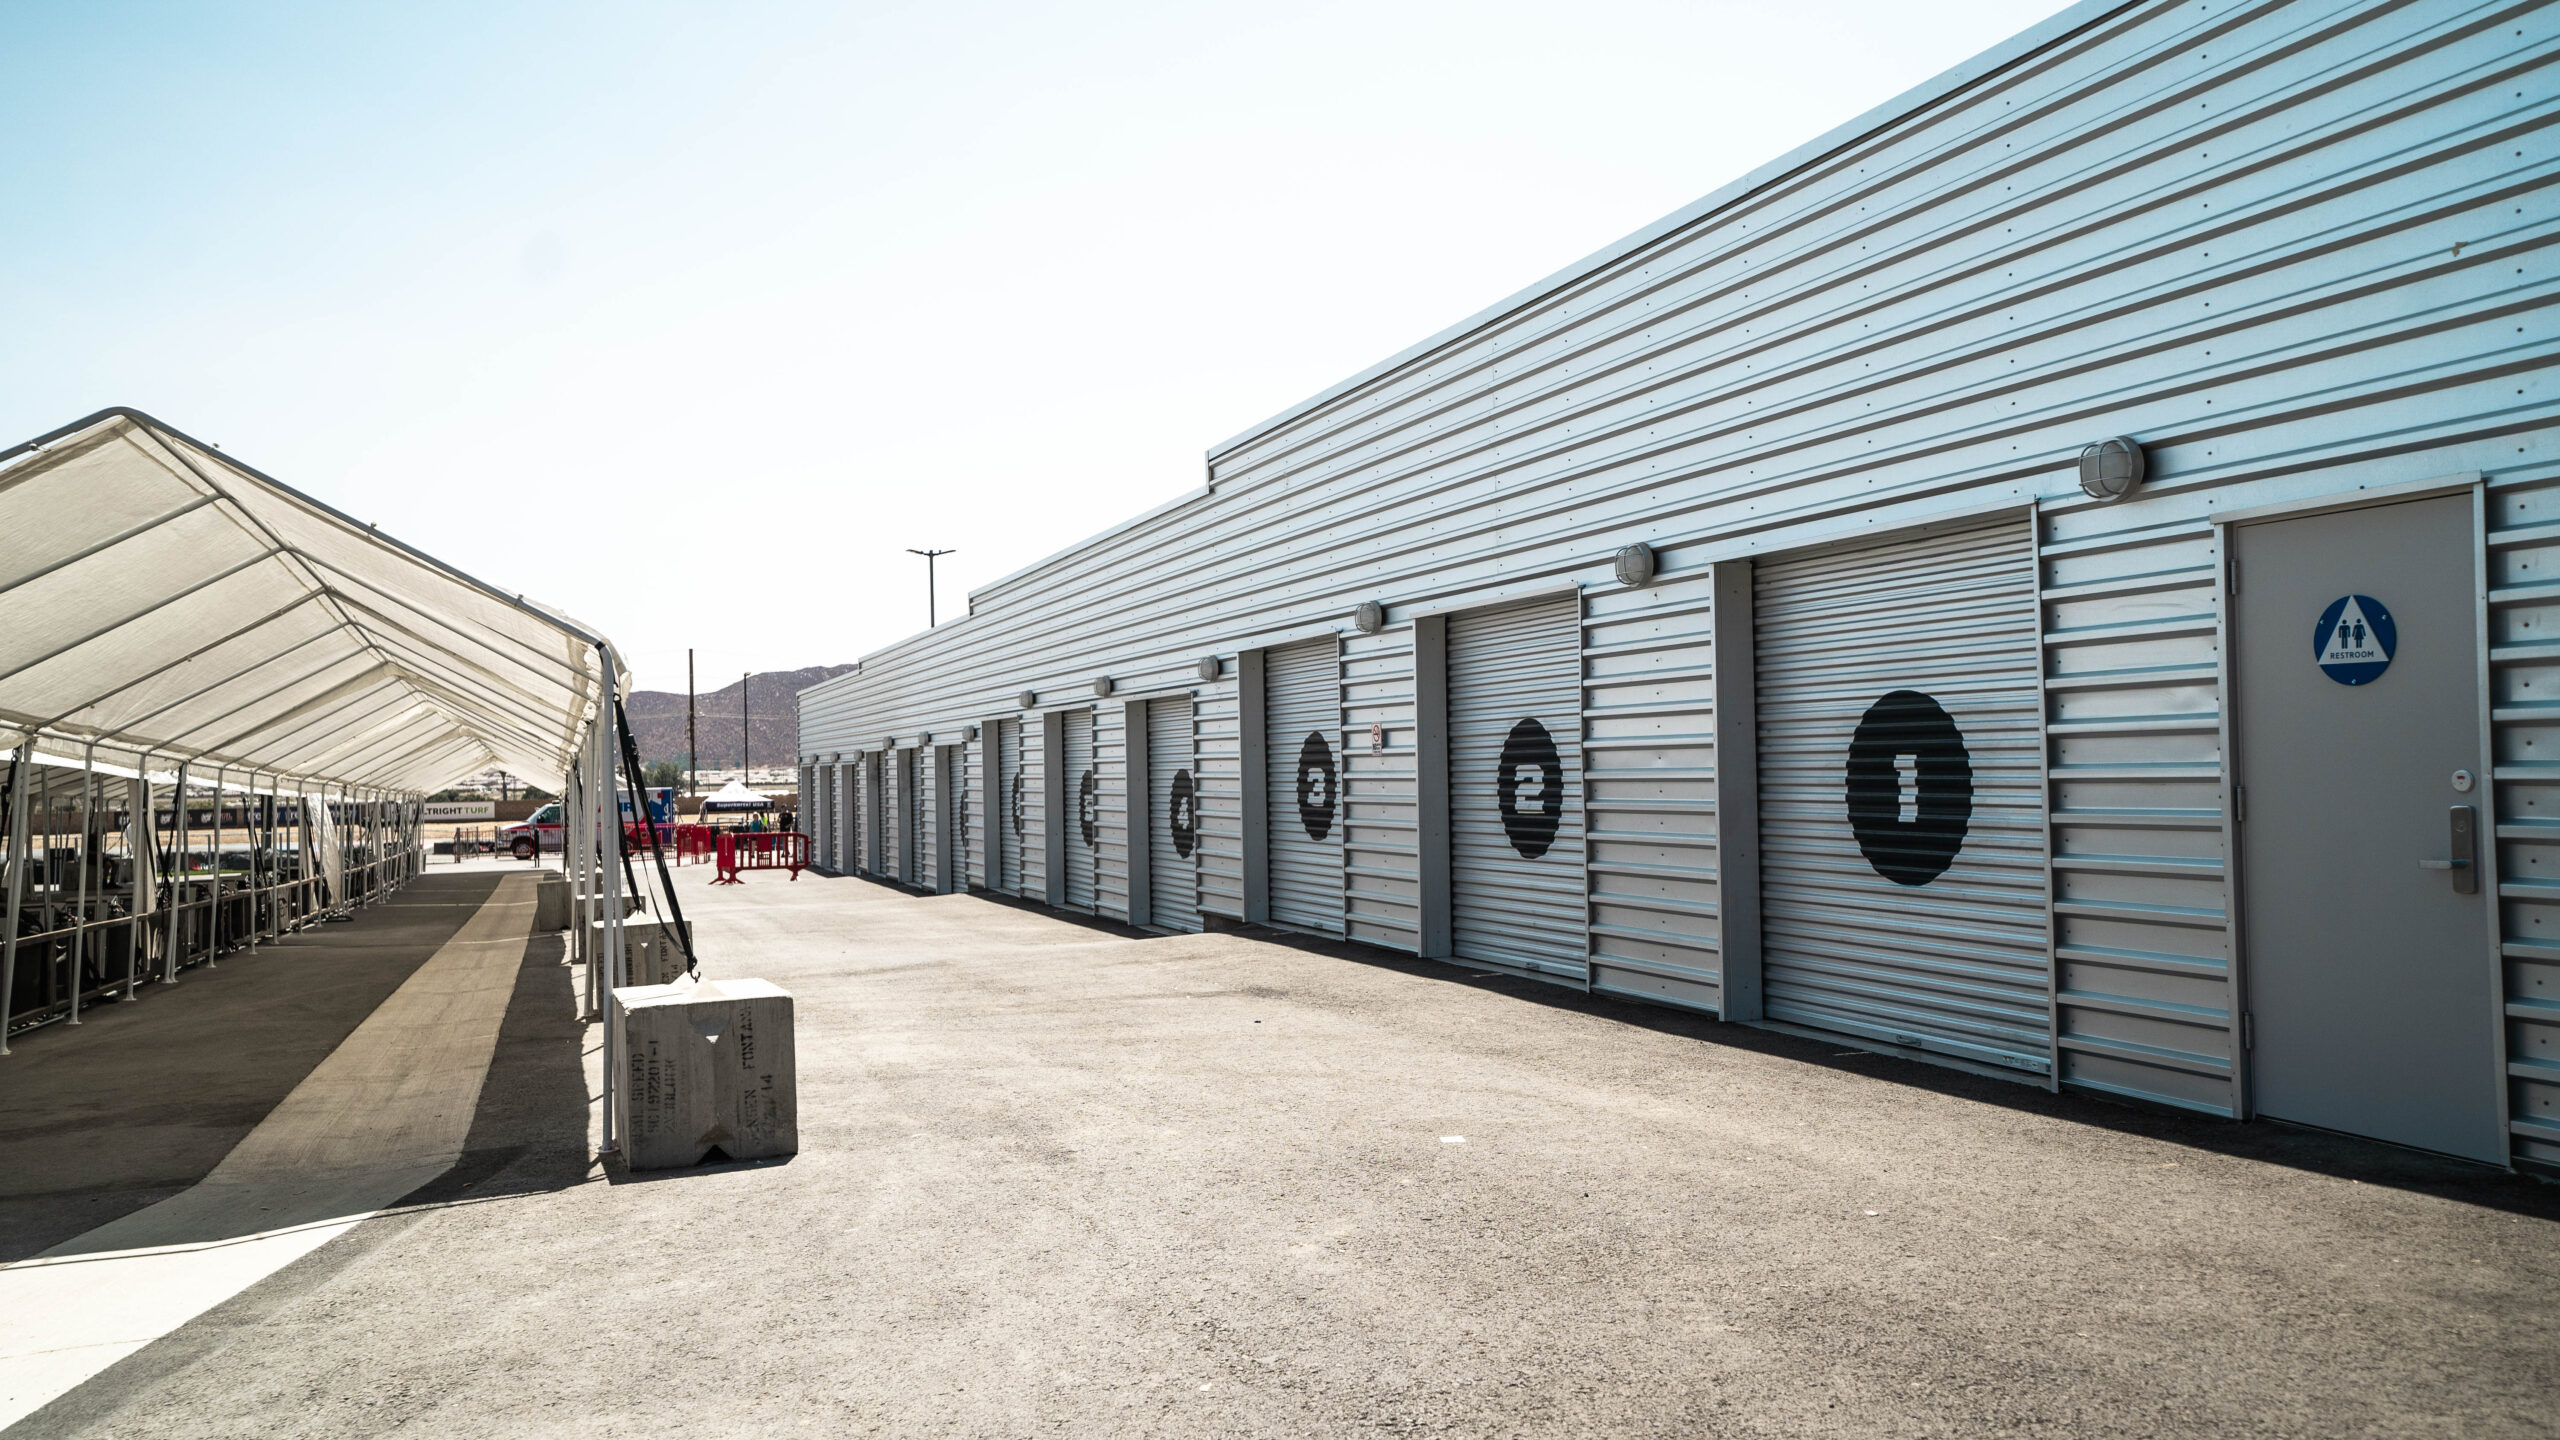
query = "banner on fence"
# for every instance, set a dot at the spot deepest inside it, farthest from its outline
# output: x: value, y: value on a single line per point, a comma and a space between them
x: 441, y: 811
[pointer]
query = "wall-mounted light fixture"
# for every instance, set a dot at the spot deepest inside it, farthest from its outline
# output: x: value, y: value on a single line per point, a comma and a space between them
x: 1370, y: 618
x: 1211, y: 667
x: 1102, y: 687
x: 1635, y: 565
x: 1026, y: 699
x: 2111, y: 469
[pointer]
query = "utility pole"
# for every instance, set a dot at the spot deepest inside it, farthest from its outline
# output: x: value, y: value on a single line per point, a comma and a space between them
x: 692, y: 750
x: 742, y: 725
x: 930, y: 620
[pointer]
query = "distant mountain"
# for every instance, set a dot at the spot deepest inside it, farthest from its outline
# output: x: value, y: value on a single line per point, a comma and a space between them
x: 772, y: 719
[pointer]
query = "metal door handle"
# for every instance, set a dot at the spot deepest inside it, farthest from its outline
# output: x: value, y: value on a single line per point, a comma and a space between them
x: 2464, y: 863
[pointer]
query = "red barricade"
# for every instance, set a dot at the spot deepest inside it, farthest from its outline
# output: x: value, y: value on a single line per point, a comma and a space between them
x: 761, y: 850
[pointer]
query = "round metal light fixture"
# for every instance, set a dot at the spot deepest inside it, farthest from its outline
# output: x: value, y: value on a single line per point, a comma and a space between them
x: 924, y: 739
x: 969, y: 732
x: 2111, y: 469
x: 1026, y: 699
x: 888, y: 742
x: 1370, y: 618
x: 1211, y: 667
x: 1102, y: 687
x: 1635, y: 565
x: 836, y: 759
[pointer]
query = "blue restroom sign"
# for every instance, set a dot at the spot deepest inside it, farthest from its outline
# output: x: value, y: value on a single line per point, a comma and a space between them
x: 2355, y: 640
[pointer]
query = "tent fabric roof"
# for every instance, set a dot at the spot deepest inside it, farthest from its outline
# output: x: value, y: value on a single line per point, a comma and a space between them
x: 162, y: 598
x: 735, y: 795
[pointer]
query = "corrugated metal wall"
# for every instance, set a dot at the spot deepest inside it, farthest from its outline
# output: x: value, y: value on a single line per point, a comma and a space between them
x: 1084, y: 810
x: 2524, y: 688
x: 1918, y: 917
x: 1218, y: 763
x: 848, y: 810
x: 874, y: 856
x: 2293, y: 248
x: 932, y: 800
x: 1011, y: 805
x: 1111, y: 811
x: 1648, y: 774
x: 1173, y: 846
x: 1382, y: 892
x: 894, y: 848
x: 1303, y: 693
x: 1515, y: 786
x: 910, y: 817
x: 1036, y: 819
x: 2140, y: 878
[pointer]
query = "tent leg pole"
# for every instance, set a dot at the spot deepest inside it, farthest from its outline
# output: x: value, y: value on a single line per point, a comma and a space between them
x: 88, y: 862
x: 17, y: 882
x: 177, y: 874
x: 137, y: 844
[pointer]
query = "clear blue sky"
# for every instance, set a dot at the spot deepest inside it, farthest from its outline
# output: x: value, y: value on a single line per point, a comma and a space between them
x: 590, y: 300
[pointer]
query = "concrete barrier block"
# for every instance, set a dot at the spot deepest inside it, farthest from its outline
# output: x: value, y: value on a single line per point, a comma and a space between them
x: 551, y: 902
x: 651, y: 954
x: 631, y: 904
x: 707, y: 1065
x: 655, y: 950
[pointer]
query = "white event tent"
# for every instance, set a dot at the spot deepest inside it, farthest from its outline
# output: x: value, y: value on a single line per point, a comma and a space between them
x: 174, y: 623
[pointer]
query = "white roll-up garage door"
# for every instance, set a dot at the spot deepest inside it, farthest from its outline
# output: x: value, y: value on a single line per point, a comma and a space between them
x: 1303, y: 689
x: 1515, y: 786
x: 1007, y: 802
x: 1173, y: 815
x: 1084, y: 810
x: 1902, y: 877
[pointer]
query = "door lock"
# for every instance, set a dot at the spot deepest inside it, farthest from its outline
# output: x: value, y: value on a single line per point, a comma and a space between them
x: 2464, y: 862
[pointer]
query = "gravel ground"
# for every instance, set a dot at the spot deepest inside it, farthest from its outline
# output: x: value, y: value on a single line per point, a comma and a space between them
x: 1062, y: 1178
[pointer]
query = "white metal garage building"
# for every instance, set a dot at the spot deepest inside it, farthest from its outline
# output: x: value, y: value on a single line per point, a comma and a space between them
x: 1895, y: 731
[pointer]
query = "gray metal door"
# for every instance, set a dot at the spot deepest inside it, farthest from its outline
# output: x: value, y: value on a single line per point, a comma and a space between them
x: 1006, y: 801
x: 2371, y: 989
x: 1173, y: 815
x: 1902, y: 873
x: 1084, y: 810
x: 1303, y: 689
x: 1515, y: 786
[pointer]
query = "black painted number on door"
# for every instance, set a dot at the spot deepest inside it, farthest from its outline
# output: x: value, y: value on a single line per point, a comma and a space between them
x: 1184, y: 816
x: 1089, y: 810
x: 1530, y: 789
x: 1917, y: 848
x: 1318, y: 786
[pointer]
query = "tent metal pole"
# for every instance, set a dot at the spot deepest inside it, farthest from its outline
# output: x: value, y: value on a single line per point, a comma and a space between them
x: 88, y: 861
x: 609, y: 837
x: 137, y: 845
x: 52, y: 882
x: 177, y: 874
x: 306, y: 859
x: 213, y: 924
x: 249, y: 821
x: 21, y: 764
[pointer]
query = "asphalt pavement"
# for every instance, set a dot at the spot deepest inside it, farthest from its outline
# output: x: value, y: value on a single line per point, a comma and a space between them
x: 1061, y: 1178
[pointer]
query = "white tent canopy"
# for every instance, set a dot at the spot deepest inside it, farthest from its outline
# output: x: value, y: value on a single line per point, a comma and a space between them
x: 164, y: 600
x: 735, y: 796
